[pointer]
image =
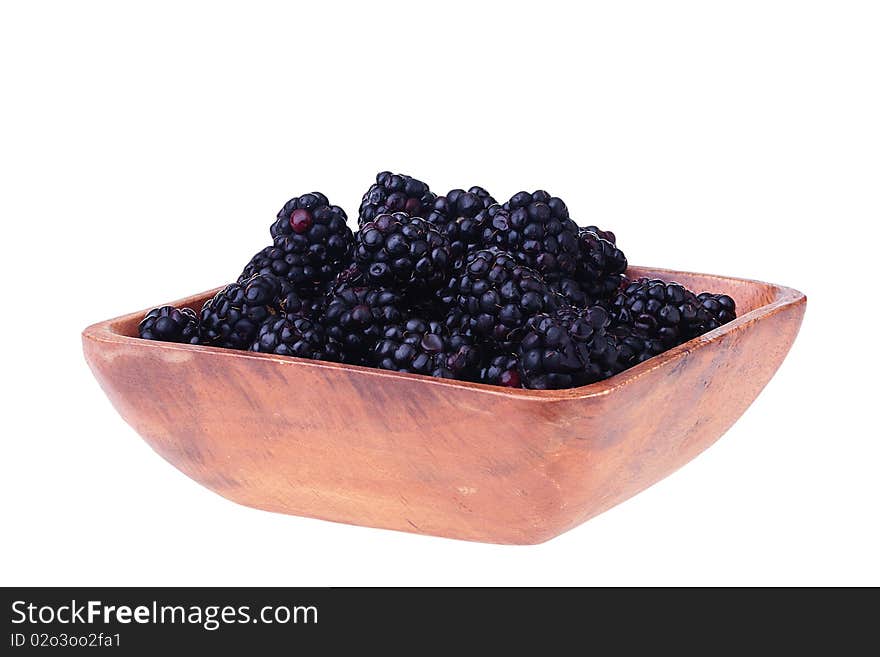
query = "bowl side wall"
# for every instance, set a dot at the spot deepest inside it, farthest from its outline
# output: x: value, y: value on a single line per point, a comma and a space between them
x: 316, y: 441
x: 664, y: 417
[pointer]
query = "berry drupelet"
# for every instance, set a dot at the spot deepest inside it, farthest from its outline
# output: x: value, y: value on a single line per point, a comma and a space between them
x: 170, y: 324
x: 311, y: 243
x: 395, y: 192
x: 356, y: 317
x: 400, y: 251
x: 493, y: 295
x: 456, y: 216
x: 233, y: 317
x: 290, y: 335
x: 566, y: 349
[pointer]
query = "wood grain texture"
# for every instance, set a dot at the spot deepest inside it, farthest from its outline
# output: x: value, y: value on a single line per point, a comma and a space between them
x: 432, y: 456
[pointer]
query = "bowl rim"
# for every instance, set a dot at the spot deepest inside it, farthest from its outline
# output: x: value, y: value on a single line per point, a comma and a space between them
x: 107, y: 331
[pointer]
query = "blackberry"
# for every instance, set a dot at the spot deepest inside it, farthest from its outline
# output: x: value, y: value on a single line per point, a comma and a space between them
x: 601, y: 266
x: 351, y: 276
x: 311, y: 243
x: 302, y: 214
x: 464, y: 354
x: 572, y: 290
x: 170, y: 324
x: 501, y: 370
x: 424, y: 347
x: 395, y: 192
x: 668, y: 312
x: 456, y: 216
x: 356, y: 317
x: 493, y: 295
x: 567, y: 349
x: 290, y: 335
x: 400, y: 251
x: 634, y: 346
x: 537, y: 229
x: 717, y: 309
x: 292, y: 302
x: 606, y: 235
x: 233, y: 317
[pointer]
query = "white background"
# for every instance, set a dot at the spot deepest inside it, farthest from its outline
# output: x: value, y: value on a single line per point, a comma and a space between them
x: 144, y: 152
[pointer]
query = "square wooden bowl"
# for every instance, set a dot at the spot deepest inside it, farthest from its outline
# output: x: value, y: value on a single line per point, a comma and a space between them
x: 432, y: 456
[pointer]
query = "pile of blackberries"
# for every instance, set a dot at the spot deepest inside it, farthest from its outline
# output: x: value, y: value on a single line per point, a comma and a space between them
x: 455, y: 286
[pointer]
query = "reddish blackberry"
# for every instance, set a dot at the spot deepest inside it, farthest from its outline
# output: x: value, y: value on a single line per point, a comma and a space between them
x: 717, y: 309
x: 601, y: 266
x: 567, y: 349
x: 400, y: 251
x: 234, y: 316
x: 289, y: 335
x: 170, y: 324
x: 501, y: 370
x: 424, y: 347
x: 536, y: 228
x: 668, y: 312
x: 355, y: 317
x: 455, y: 215
x: 493, y: 295
x: 311, y: 243
x: 395, y: 192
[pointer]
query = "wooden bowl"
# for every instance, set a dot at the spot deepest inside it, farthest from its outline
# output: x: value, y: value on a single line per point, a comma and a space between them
x: 432, y: 456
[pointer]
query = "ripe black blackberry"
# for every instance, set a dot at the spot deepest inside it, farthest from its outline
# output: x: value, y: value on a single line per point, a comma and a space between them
x: 668, y: 312
x: 493, y: 295
x: 293, y: 302
x: 634, y: 346
x: 501, y: 370
x: 572, y: 291
x: 311, y: 243
x: 424, y: 347
x: 606, y: 235
x: 455, y: 215
x: 566, y: 349
x: 717, y: 309
x: 601, y: 267
x: 170, y: 324
x: 351, y: 276
x: 537, y: 229
x: 233, y: 317
x: 464, y: 353
x: 291, y: 335
x: 395, y: 192
x: 403, y: 252
x: 356, y: 317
